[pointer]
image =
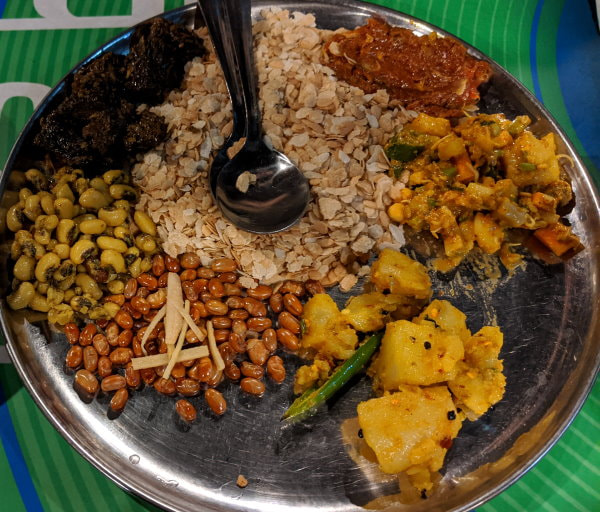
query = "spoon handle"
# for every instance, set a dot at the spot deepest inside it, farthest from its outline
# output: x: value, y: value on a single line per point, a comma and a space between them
x: 218, y: 18
x: 241, y: 28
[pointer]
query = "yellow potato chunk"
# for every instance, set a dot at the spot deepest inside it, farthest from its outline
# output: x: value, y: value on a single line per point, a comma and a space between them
x: 367, y: 312
x: 400, y: 275
x: 438, y: 126
x: 327, y: 331
x: 312, y: 375
x: 416, y: 354
x: 479, y: 382
x: 539, y: 159
x: 410, y: 430
x: 442, y: 314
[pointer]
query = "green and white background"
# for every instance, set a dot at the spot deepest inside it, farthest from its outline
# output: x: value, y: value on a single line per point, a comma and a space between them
x: 552, y: 46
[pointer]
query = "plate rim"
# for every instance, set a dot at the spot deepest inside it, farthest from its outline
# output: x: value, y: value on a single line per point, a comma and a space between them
x: 368, y: 9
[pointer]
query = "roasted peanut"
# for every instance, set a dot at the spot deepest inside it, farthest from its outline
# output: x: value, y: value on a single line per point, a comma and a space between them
x: 130, y: 288
x: 252, y: 370
x: 140, y: 304
x: 238, y: 314
x: 132, y: 377
x: 112, y: 383
x: 148, y: 281
x: 252, y: 386
x: 121, y: 356
x: 164, y: 386
x: 112, y: 334
x: 232, y: 290
x: 172, y: 264
x: 90, y: 358
x: 223, y: 265
x: 202, y: 370
x: 221, y: 322
x: 87, y: 335
x: 275, y: 369
x: 258, y: 324
x: 189, y: 274
x: 269, y: 339
x: 215, y: 401
x: 228, y: 277
x: 186, y: 411
x: 216, y: 288
x: 104, y: 367
x: 288, y: 339
x: 72, y: 333
x: 119, y: 400
x: 124, y: 319
x: 289, y: 321
x: 189, y: 260
x: 205, y: 273
x: 74, y: 356
x: 158, y: 265
x: 260, y: 292
x: 314, y: 287
x: 222, y: 335
x: 124, y: 338
x: 292, y: 304
x: 254, y: 307
x: 257, y: 352
x: 237, y: 343
x: 216, y: 307
x: 232, y: 371
x: 187, y: 387
x: 86, y: 381
x: 101, y: 344
x: 239, y: 327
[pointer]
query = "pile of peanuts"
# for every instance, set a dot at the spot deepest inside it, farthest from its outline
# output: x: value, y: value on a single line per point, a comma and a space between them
x: 249, y: 324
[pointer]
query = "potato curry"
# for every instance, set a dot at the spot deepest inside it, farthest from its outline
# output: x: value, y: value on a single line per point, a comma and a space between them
x: 430, y: 373
x: 471, y: 184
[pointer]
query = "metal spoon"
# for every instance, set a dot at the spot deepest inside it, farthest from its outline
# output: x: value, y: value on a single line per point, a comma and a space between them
x: 215, y: 16
x: 259, y: 189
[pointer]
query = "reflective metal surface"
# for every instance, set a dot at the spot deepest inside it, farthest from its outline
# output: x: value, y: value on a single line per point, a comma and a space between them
x: 549, y: 315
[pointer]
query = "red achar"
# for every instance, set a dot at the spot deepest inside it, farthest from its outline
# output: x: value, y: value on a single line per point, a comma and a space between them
x: 431, y: 74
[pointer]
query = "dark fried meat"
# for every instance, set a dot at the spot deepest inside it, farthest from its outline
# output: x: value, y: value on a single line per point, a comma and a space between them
x: 147, y: 132
x: 97, y: 126
x: 159, y: 51
x: 430, y: 74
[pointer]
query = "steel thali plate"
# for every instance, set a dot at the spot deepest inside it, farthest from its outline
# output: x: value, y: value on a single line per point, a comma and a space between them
x: 551, y: 356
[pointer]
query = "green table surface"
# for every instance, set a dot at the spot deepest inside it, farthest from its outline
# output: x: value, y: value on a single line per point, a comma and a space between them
x: 552, y: 46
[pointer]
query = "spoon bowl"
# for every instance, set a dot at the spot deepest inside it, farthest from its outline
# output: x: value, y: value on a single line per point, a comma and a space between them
x: 261, y: 190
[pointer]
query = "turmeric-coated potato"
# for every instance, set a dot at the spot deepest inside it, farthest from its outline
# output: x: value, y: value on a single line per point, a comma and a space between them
x: 442, y: 314
x: 416, y: 354
x: 411, y: 429
x: 327, y: 331
x: 399, y: 274
x: 367, y: 312
x: 479, y: 382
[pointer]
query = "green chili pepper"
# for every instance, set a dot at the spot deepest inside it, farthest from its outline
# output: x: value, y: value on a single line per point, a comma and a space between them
x: 450, y: 171
x: 403, y: 152
x: 526, y: 166
x: 306, y: 404
x: 432, y: 202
